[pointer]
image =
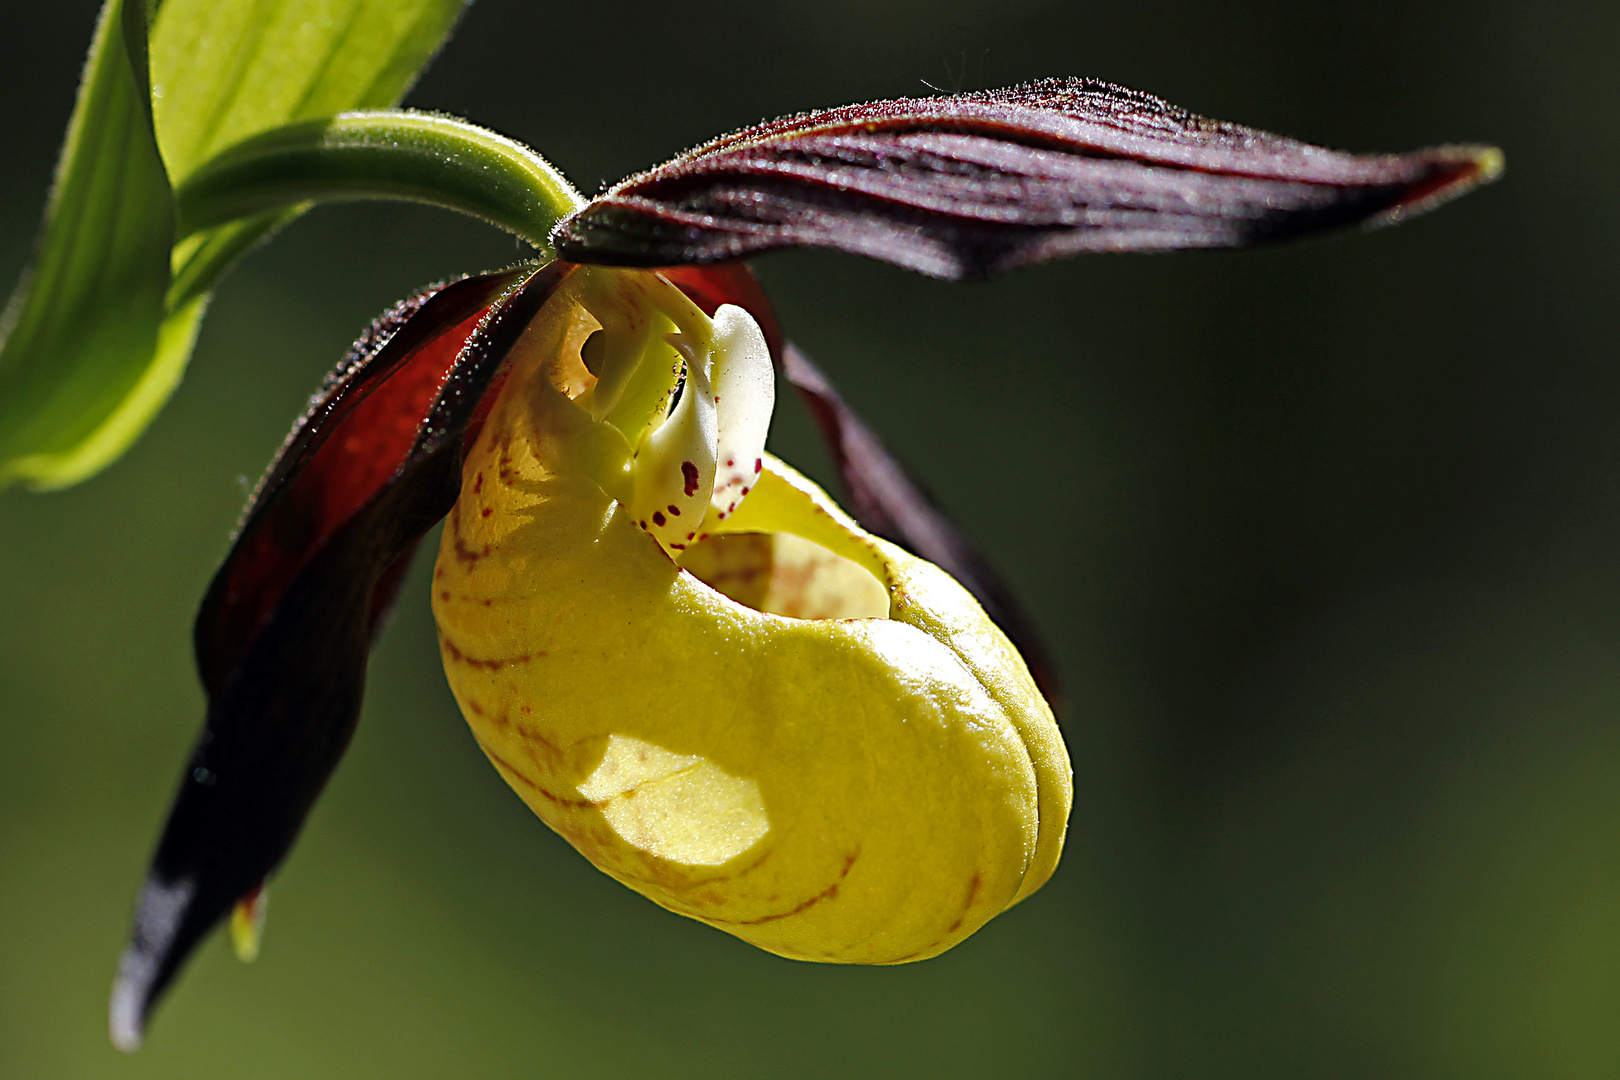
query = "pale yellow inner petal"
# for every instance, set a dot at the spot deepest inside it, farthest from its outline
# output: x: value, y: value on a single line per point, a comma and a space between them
x: 787, y: 575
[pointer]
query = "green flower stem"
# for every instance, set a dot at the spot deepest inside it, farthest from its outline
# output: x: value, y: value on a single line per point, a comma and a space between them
x: 383, y: 154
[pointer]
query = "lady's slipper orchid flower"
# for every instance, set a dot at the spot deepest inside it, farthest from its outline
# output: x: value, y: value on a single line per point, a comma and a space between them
x: 801, y: 727
x: 695, y: 667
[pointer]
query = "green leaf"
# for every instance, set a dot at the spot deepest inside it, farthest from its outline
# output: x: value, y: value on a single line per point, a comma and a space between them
x: 225, y: 70
x: 81, y: 368
x: 99, y: 334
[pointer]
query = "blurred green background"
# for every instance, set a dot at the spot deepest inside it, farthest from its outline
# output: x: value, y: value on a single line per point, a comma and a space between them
x: 1325, y: 538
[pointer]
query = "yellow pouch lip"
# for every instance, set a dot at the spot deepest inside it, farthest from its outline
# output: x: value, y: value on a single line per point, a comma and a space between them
x: 539, y: 558
x: 774, y: 506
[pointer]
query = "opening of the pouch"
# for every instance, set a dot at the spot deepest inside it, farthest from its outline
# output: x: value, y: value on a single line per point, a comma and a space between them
x: 787, y: 575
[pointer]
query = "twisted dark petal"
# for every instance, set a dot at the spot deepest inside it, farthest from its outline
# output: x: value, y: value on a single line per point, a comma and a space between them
x: 968, y: 185
x: 882, y: 494
x: 285, y: 630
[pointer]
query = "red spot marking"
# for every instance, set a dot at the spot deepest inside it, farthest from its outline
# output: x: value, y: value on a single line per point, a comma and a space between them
x: 486, y: 512
x: 467, y: 554
x: 973, y: 890
x: 643, y: 525
x: 690, y: 535
x: 729, y: 463
x: 745, y: 491
x: 507, y: 767
x: 673, y: 509
x: 489, y: 603
x: 658, y: 518
x: 678, y: 547
x: 454, y: 654
x: 505, y: 472
x: 478, y: 483
x: 689, y: 473
x: 829, y: 893
x: 759, y: 464
x: 705, y: 536
x: 445, y: 595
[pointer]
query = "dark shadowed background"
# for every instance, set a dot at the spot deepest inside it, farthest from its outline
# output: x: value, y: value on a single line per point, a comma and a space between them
x: 1327, y: 539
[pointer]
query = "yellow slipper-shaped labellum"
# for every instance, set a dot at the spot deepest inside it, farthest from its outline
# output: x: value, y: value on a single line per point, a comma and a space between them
x: 797, y: 733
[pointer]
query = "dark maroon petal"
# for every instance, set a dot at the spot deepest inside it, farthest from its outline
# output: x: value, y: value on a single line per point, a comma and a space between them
x: 883, y: 495
x: 968, y: 185
x: 285, y: 630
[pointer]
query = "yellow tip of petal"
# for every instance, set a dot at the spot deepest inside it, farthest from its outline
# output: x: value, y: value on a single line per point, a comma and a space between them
x: 247, y: 925
x: 1455, y: 171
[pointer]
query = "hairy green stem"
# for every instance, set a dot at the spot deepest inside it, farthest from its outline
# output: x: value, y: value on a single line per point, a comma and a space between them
x: 381, y: 154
